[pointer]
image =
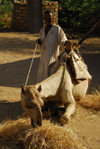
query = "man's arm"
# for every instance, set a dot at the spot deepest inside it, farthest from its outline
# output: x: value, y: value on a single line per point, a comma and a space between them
x: 70, y: 45
x: 61, y: 37
x: 64, y: 42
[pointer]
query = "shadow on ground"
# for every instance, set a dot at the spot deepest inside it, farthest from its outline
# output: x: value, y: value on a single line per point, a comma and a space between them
x: 10, y: 110
x: 14, y: 74
x: 93, y: 63
x: 90, y: 47
x: 17, y: 44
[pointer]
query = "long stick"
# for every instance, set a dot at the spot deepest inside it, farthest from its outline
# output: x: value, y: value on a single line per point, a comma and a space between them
x: 28, y: 74
x: 85, y: 36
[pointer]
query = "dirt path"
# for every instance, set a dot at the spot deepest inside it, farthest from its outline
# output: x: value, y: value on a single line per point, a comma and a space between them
x: 16, y: 50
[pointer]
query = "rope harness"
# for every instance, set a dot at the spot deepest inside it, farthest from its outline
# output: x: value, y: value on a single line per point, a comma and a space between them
x: 28, y: 74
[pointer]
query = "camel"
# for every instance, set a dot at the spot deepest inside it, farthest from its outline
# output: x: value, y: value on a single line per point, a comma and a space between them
x: 59, y: 88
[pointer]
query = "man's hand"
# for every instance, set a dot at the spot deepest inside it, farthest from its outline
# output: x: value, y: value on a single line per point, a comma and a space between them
x: 39, y: 41
x: 75, y: 46
x: 70, y: 45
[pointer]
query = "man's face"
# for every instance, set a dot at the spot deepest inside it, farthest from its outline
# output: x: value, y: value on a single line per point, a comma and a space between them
x: 48, y: 19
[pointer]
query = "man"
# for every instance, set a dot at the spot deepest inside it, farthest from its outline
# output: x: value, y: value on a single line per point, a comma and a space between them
x: 52, y: 39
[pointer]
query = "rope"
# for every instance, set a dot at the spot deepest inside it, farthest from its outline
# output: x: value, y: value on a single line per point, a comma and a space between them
x: 28, y: 74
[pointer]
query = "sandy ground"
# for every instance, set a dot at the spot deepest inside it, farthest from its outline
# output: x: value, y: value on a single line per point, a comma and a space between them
x: 16, y: 50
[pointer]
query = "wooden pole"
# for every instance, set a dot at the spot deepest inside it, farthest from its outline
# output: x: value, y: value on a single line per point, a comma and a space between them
x: 86, y: 35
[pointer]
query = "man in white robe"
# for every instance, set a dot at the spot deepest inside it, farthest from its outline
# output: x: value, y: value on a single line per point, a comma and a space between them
x: 52, y: 39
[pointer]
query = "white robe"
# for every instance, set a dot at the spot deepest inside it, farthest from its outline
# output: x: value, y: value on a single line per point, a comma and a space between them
x: 49, y: 49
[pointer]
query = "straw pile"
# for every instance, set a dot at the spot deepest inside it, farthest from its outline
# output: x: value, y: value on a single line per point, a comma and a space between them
x: 92, y: 101
x: 49, y: 136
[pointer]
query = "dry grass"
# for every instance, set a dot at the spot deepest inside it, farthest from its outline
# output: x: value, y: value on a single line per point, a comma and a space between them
x: 12, y: 133
x: 13, y: 130
x: 92, y: 101
x: 49, y: 136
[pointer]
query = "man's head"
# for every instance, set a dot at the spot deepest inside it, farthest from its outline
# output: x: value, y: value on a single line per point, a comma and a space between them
x: 48, y: 17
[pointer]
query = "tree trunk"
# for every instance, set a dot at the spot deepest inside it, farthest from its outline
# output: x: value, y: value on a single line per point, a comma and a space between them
x: 34, y: 15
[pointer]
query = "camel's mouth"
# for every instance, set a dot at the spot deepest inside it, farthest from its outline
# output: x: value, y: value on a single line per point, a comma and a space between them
x: 37, y: 119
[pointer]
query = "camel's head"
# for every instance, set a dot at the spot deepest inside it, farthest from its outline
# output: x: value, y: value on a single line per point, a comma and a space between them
x: 32, y: 103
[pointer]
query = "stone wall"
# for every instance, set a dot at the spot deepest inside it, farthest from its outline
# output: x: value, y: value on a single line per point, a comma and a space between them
x: 20, y: 14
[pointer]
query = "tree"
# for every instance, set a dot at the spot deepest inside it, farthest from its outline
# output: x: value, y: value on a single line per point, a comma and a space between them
x: 79, y: 15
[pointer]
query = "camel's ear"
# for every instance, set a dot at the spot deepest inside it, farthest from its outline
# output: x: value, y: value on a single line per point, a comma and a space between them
x: 23, y: 89
x: 39, y: 88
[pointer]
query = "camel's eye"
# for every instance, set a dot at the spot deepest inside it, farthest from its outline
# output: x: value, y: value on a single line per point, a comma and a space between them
x: 23, y: 90
x: 39, y: 88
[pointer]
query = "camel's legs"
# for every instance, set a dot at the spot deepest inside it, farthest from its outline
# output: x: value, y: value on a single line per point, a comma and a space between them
x: 69, y: 103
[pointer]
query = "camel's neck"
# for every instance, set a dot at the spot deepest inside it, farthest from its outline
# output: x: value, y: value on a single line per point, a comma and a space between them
x: 51, y: 85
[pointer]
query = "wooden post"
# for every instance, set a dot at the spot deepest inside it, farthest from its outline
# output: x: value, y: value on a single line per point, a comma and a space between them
x: 34, y: 15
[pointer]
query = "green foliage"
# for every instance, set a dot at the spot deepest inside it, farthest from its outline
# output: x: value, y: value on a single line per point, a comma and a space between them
x: 6, y: 7
x: 5, y: 13
x: 79, y: 15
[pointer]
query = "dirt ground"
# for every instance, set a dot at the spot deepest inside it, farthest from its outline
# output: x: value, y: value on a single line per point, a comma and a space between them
x: 16, y: 51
